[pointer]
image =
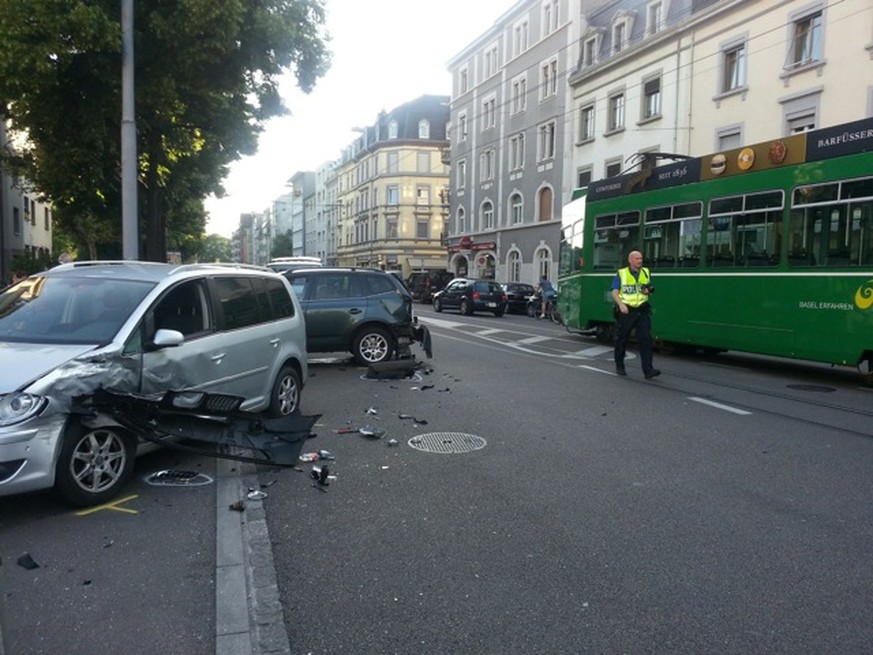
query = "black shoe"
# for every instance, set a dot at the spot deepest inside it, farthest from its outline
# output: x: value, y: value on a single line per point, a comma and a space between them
x: 653, y: 374
x: 619, y: 370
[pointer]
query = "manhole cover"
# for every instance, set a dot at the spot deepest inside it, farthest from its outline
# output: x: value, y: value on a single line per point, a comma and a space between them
x: 810, y: 387
x: 447, y: 443
x: 176, y: 478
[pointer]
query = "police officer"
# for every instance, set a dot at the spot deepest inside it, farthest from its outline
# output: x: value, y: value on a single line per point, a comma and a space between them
x: 630, y: 291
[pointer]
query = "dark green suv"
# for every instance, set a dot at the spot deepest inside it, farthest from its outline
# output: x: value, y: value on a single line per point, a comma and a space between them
x: 366, y: 312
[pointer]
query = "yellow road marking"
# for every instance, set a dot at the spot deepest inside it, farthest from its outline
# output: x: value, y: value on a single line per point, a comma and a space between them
x: 112, y: 506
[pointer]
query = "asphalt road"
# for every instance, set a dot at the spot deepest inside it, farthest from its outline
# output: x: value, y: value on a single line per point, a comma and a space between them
x: 722, y: 508
x: 533, y: 503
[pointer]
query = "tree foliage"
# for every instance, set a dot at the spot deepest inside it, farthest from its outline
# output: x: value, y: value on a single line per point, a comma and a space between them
x: 207, y: 78
x: 283, y: 245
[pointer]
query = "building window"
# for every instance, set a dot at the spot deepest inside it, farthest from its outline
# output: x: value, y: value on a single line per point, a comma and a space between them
x: 516, y: 151
x: 462, y: 127
x: 616, y: 112
x: 613, y: 167
x: 486, y: 166
x: 46, y: 219
x: 487, y: 215
x: 519, y: 42
x: 461, y: 177
x: 551, y: 16
x: 734, y: 62
x: 728, y: 138
x: 583, y: 177
x: 549, y: 79
x: 422, y: 195
x: 652, y: 98
x: 513, y: 265
x: 392, y: 195
x: 546, y: 146
x: 490, y: 61
x: 586, y: 123
x: 516, y: 209
x: 489, y: 113
x: 423, y: 129
x: 801, y: 122
x: 393, y: 162
x: 519, y: 95
x: 654, y: 17
x: 806, y: 41
x: 422, y: 229
x: 392, y: 130
x: 16, y: 221
x: 461, y: 221
x: 590, y: 50
x: 463, y: 81
x: 391, y: 228
x: 545, y: 201
x: 543, y: 263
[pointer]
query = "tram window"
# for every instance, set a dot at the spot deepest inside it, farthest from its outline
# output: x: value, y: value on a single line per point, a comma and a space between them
x: 720, y: 243
x: 668, y: 240
x: 809, y: 195
x: 614, y: 237
x: 832, y: 234
x: 857, y: 189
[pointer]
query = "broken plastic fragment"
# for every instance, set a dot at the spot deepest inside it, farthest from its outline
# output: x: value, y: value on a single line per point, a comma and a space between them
x: 393, y: 442
x: 372, y: 410
x: 256, y: 495
x: 26, y: 561
x: 373, y: 433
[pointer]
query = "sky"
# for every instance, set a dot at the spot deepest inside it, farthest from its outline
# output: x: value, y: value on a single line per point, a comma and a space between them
x: 385, y: 53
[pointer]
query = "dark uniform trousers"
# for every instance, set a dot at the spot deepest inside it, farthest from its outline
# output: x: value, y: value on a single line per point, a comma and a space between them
x: 639, y: 319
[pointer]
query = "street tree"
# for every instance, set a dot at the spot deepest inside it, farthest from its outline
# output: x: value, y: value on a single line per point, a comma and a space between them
x: 207, y: 79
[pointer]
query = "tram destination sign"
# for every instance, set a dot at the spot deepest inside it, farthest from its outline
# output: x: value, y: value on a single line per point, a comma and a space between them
x: 845, y: 139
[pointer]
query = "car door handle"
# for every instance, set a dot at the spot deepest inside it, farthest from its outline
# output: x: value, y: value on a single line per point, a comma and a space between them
x: 217, y: 358
x: 354, y: 310
x: 275, y: 342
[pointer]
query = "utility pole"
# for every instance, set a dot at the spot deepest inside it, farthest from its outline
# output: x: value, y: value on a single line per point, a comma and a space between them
x: 129, y: 222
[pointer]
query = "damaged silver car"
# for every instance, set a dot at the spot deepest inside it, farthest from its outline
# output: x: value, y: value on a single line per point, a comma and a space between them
x: 134, y: 328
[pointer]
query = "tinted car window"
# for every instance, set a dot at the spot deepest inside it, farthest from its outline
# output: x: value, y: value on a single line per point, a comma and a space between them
x: 239, y: 308
x: 491, y: 287
x: 184, y: 308
x: 273, y: 299
x: 375, y: 284
x: 331, y: 285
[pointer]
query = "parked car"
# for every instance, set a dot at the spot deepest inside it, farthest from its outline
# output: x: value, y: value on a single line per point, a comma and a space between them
x: 133, y: 327
x: 366, y: 312
x: 282, y: 264
x: 517, y: 294
x: 424, y: 284
x: 470, y: 296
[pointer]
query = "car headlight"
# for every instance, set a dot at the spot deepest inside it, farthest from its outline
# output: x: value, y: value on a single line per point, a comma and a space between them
x: 18, y: 407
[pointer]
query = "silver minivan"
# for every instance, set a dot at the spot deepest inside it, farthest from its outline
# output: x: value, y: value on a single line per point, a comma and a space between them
x: 133, y: 327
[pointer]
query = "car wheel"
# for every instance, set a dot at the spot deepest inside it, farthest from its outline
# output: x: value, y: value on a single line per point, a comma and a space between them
x: 466, y: 307
x: 499, y: 312
x: 93, y: 464
x: 437, y: 305
x: 285, y: 397
x: 372, y: 346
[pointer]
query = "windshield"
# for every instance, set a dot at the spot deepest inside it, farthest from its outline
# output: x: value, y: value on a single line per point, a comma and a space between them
x: 68, y: 310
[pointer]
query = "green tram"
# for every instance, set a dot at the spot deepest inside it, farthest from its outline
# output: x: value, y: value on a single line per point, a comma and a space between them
x: 765, y: 249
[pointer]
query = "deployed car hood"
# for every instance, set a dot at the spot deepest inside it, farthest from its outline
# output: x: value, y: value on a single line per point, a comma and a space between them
x: 25, y: 362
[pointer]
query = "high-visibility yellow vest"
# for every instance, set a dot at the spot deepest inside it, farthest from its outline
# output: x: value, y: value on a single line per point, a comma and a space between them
x: 631, y: 289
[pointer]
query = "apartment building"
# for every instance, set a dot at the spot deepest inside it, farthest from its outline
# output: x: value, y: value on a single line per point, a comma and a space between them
x: 691, y: 77
x: 508, y: 146
x: 391, y: 188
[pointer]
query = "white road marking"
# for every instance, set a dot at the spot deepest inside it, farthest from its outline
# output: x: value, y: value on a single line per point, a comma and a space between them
x: 726, y: 408
x: 536, y: 339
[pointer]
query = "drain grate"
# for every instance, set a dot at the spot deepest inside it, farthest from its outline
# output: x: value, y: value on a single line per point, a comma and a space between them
x: 447, y: 443
x: 177, y: 478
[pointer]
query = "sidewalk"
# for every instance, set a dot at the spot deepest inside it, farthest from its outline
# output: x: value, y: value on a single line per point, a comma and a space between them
x: 248, y: 613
